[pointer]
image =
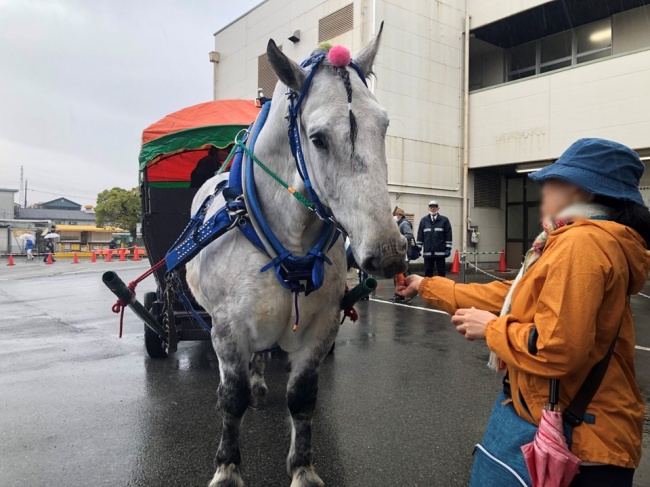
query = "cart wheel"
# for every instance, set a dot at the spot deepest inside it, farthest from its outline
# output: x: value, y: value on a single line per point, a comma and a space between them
x: 332, y: 349
x: 152, y: 342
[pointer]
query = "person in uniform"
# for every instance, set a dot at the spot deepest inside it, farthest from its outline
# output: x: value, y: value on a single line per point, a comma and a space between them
x: 434, y: 236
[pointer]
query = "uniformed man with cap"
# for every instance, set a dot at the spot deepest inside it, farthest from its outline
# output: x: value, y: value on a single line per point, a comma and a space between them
x: 434, y: 236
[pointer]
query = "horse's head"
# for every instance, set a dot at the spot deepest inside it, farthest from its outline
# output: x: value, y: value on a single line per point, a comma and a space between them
x: 342, y: 128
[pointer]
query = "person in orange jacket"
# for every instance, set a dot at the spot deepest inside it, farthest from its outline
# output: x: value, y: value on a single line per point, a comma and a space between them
x: 573, y: 290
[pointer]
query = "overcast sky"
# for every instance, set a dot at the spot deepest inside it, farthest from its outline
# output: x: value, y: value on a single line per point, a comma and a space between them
x: 81, y: 79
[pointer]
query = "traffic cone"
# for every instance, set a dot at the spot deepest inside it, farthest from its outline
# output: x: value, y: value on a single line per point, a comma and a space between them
x: 108, y: 255
x: 455, y: 266
x: 49, y: 258
x: 75, y: 258
x: 136, y: 253
x: 502, y: 262
x: 11, y: 260
x: 93, y: 257
x: 122, y: 254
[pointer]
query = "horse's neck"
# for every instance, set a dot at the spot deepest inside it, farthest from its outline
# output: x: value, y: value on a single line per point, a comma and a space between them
x: 295, y: 226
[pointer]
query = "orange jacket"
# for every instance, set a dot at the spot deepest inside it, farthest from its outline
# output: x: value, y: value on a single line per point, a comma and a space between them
x: 575, y: 295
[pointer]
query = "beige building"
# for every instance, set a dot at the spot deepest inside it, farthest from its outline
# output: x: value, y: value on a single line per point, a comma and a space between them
x: 541, y: 74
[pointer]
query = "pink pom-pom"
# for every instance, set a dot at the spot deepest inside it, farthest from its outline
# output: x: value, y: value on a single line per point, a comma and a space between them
x: 339, y: 56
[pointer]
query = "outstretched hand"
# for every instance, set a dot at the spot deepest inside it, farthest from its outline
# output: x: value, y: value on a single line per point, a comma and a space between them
x: 408, y: 288
x: 472, y: 322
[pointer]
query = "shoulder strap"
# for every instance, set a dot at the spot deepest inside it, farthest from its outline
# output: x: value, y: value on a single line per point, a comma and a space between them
x: 574, y: 413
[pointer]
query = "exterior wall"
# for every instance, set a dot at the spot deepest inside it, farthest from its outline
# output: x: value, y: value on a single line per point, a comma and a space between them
x: 243, y: 41
x: 537, y: 118
x: 419, y: 82
x: 7, y: 203
x: 488, y: 11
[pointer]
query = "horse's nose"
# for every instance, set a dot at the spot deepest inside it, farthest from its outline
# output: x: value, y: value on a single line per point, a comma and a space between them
x: 372, y: 264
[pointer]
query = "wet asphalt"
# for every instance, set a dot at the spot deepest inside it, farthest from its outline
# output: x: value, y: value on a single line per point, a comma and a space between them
x: 401, y: 403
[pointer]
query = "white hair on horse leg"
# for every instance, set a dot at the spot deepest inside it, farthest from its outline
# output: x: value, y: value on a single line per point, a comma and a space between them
x: 306, y: 477
x: 227, y: 475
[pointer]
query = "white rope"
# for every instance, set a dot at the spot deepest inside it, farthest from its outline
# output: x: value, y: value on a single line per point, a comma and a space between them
x: 430, y: 310
x: 486, y: 273
x: 643, y: 295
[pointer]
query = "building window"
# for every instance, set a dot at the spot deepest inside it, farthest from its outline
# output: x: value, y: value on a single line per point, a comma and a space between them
x: 266, y: 78
x: 568, y: 48
x: 336, y: 23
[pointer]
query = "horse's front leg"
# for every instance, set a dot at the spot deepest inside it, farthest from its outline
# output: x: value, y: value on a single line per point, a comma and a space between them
x: 302, y: 391
x: 258, y: 384
x: 233, y: 399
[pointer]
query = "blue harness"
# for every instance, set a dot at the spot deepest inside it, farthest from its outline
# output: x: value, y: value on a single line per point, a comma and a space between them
x: 242, y: 208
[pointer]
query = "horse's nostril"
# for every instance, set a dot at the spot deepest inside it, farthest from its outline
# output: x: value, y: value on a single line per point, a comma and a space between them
x: 370, y: 264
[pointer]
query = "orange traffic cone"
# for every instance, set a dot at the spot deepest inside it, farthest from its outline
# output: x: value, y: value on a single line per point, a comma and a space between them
x: 136, y: 253
x: 502, y: 262
x: 75, y: 258
x: 11, y: 260
x: 49, y: 258
x: 122, y: 254
x: 455, y: 266
x: 93, y: 257
x: 108, y: 255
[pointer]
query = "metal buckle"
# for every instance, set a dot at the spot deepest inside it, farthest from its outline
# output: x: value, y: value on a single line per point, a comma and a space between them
x: 244, y: 138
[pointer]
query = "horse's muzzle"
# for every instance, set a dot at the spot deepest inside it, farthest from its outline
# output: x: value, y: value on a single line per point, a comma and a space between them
x: 389, y: 261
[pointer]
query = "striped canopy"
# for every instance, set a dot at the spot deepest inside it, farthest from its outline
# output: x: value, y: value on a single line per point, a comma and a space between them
x: 172, y: 147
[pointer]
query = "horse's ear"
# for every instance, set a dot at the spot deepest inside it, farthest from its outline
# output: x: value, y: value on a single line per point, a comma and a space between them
x: 287, y: 71
x: 366, y: 57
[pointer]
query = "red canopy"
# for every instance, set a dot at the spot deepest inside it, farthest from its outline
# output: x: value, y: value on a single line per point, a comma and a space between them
x: 220, y: 112
x: 174, y: 146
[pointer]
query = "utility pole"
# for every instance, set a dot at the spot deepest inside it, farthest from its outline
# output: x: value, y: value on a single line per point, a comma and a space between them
x: 25, y: 206
x: 20, y: 191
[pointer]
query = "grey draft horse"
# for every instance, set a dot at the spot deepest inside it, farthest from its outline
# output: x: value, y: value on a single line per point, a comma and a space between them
x: 250, y: 310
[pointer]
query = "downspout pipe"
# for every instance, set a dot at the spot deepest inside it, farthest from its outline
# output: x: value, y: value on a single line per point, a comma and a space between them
x: 465, y: 222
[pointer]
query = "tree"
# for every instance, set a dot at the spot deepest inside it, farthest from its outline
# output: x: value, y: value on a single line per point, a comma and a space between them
x: 119, y: 207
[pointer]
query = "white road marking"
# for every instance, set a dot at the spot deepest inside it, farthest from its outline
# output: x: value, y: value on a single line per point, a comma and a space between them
x: 409, y: 306
x: 638, y: 347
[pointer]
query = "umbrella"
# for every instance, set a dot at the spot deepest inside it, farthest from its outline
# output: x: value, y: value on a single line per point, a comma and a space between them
x: 52, y: 235
x: 549, y: 460
x: 27, y: 236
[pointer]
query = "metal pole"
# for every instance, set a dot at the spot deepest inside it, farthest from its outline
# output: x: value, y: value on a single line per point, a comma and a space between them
x: 465, y: 208
x: 463, y: 258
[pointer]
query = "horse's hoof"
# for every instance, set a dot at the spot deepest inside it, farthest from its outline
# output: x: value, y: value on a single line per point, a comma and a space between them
x: 227, y: 476
x: 306, y: 477
x: 259, y: 393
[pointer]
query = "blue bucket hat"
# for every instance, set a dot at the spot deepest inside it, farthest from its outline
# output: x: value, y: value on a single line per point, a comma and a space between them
x: 598, y: 166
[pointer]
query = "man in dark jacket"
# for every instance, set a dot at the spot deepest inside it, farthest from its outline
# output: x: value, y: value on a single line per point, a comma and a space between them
x: 434, y: 235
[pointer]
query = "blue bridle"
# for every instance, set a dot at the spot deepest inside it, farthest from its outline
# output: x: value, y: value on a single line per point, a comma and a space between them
x: 295, y: 102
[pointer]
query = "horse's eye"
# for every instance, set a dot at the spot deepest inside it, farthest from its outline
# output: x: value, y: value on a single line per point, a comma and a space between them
x: 318, y: 142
